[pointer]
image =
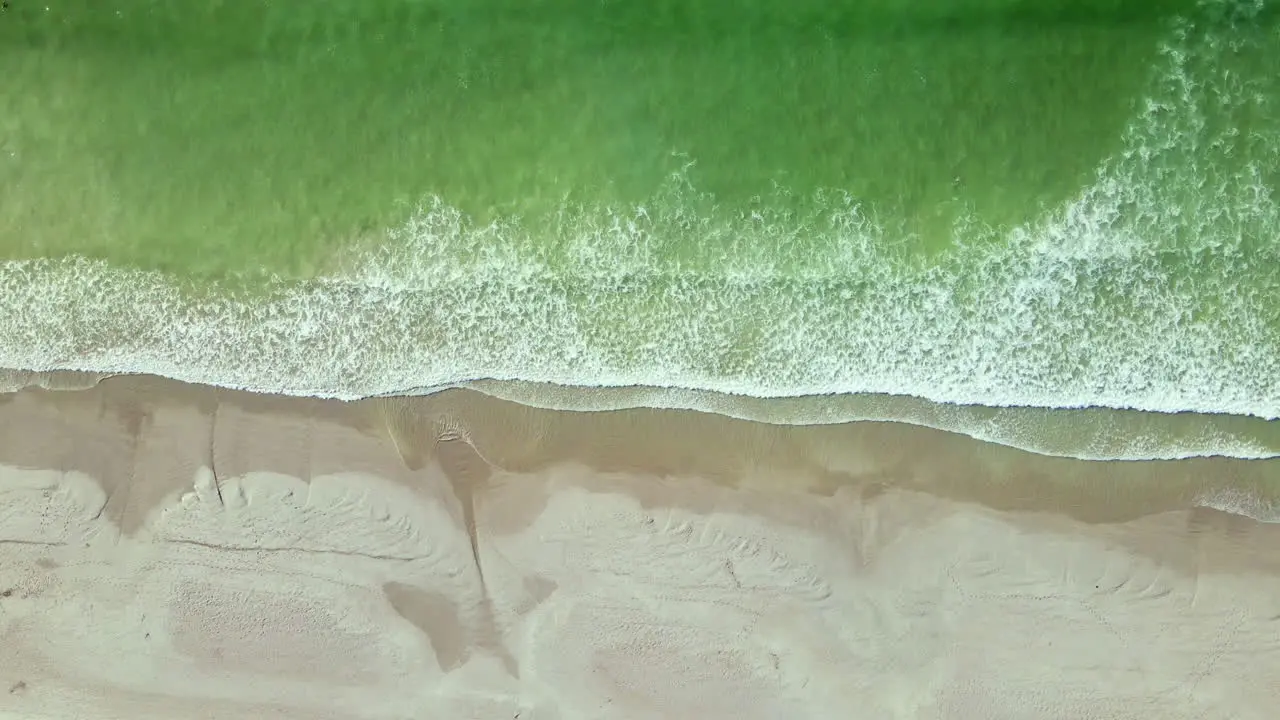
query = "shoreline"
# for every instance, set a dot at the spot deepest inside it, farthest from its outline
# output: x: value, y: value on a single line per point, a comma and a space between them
x: 1084, y: 433
x: 184, y: 551
x: 236, y: 554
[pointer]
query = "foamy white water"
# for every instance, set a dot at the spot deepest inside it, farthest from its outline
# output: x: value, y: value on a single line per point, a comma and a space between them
x: 1154, y: 290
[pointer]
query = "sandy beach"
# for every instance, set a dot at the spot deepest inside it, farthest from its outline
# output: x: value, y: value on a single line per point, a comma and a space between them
x: 171, y: 551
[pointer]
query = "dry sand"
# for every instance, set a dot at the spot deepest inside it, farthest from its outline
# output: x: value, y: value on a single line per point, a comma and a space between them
x: 172, y: 552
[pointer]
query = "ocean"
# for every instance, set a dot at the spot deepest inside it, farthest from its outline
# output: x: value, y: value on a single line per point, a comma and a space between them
x: 1047, y: 224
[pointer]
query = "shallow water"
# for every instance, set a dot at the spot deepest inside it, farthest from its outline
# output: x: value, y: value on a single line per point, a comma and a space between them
x: 980, y: 204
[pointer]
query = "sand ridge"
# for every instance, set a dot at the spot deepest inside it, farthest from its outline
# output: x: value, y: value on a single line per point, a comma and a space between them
x: 174, y: 551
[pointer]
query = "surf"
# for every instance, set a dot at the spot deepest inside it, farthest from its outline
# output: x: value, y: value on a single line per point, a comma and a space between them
x: 1134, y: 320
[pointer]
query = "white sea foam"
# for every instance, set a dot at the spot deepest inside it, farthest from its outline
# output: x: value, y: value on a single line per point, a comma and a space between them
x: 1098, y: 303
x: 1238, y: 502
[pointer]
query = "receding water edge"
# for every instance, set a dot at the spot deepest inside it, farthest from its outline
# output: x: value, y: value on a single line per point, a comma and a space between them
x: 1084, y: 433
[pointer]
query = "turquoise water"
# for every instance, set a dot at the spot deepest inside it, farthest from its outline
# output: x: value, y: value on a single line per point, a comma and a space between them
x: 1054, y: 226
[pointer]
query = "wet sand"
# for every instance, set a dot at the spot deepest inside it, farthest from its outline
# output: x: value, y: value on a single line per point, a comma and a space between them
x: 174, y: 551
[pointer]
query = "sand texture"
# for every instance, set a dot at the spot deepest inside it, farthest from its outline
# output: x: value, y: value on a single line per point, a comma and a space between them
x: 171, y: 551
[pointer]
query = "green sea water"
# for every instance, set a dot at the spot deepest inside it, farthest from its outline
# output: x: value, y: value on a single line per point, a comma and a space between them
x: 1012, y: 209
